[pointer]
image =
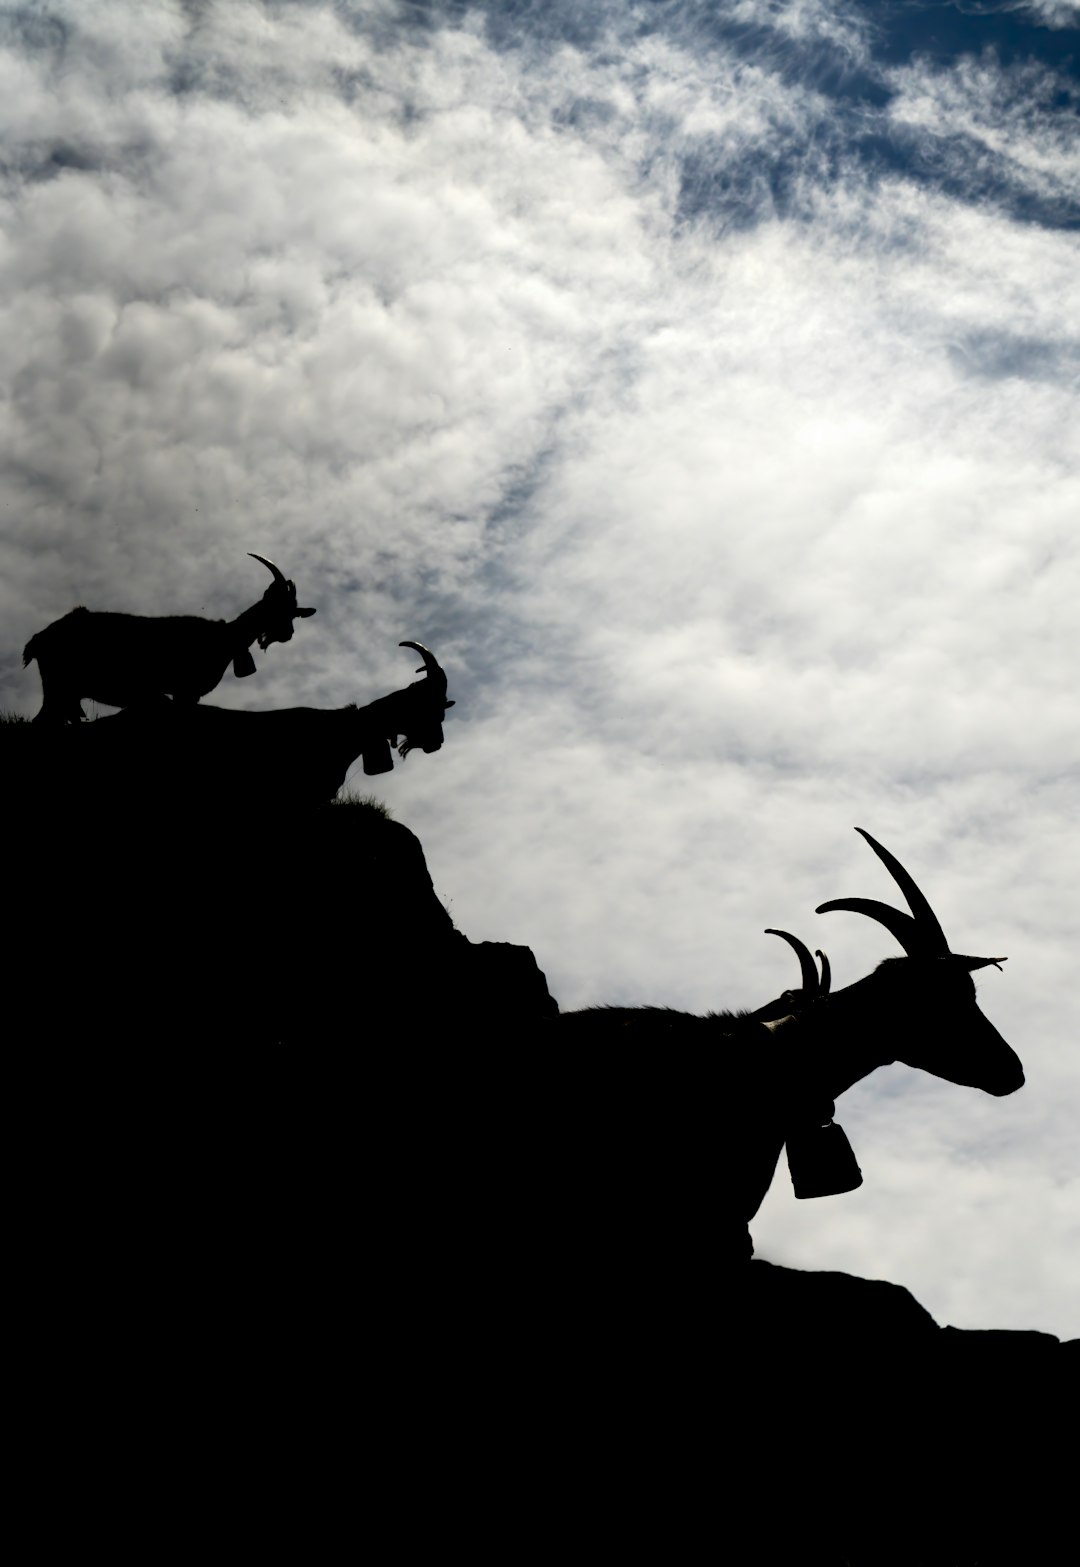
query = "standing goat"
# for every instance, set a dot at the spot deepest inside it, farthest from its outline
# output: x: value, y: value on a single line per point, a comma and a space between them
x: 122, y: 660
x: 196, y: 759
x: 778, y: 1075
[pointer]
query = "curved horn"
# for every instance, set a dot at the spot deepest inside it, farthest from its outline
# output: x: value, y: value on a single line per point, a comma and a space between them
x: 279, y: 576
x: 810, y: 982
x: 918, y: 933
x: 431, y: 666
x: 826, y: 972
x: 431, y: 663
x: 901, y: 925
x: 924, y: 915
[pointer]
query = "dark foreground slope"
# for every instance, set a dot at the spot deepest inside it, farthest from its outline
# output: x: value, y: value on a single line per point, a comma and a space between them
x: 316, y: 928
x: 317, y: 1230
x: 891, y: 1439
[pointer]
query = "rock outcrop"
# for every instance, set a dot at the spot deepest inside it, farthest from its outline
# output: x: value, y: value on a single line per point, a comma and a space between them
x: 298, y: 1155
x: 905, y: 1440
x: 319, y: 930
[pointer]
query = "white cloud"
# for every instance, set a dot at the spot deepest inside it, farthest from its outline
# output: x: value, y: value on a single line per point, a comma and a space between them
x: 977, y: 111
x: 809, y: 21
x: 1054, y: 13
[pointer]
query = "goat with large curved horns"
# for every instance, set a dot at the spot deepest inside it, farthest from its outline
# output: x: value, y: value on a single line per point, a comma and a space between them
x: 977, y: 1057
x: 122, y: 660
x: 778, y: 1070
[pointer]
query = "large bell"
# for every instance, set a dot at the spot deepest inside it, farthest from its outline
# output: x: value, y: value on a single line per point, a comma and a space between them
x: 821, y: 1161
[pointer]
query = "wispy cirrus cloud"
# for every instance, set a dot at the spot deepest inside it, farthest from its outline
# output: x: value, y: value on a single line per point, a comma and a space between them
x: 1053, y: 13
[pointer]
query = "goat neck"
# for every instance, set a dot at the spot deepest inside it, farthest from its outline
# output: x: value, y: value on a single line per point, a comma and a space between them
x: 832, y: 1043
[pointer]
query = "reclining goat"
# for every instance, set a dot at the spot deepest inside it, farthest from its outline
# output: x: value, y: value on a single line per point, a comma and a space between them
x: 194, y: 760
x: 699, y: 1107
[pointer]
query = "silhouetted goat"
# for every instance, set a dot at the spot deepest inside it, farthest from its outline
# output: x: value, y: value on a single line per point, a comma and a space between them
x: 722, y: 1112
x: 125, y: 659
x: 194, y: 759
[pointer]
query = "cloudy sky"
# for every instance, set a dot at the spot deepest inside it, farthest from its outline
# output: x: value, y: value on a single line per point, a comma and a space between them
x: 700, y: 379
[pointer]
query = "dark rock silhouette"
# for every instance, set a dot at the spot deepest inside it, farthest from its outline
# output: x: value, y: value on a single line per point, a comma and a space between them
x: 307, y: 1182
x: 316, y: 928
x: 907, y: 1441
x: 122, y: 660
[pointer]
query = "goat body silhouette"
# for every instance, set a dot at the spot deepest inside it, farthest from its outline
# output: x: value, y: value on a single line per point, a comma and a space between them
x: 202, y: 758
x: 122, y: 660
x: 783, y: 1066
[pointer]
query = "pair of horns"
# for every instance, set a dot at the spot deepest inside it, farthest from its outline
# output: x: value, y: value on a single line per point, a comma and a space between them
x: 919, y: 933
x: 812, y: 985
x: 283, y: 582
x: 431, y: 666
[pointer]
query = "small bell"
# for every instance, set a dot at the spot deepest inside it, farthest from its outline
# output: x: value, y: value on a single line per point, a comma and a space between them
x: 822, y: 1162
x: 377, y: 758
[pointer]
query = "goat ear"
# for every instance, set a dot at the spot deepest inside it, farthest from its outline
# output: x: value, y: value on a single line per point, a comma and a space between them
x: 448, y: 704
x: 302, y: 614
x: 243, y: 664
